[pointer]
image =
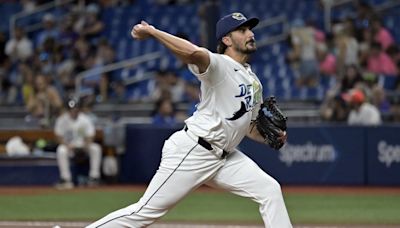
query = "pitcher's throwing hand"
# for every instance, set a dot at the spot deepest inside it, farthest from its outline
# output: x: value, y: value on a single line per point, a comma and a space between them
x: 142, y: 31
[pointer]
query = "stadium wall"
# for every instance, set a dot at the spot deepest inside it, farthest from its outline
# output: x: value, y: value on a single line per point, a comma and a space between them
x: 314, y: 155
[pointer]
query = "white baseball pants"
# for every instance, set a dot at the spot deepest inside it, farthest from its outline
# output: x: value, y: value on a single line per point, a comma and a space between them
x: 63, y: 159
x: 186, y: 165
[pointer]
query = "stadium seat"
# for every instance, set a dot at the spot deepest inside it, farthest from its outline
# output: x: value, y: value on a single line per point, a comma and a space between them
x: 388, y: 82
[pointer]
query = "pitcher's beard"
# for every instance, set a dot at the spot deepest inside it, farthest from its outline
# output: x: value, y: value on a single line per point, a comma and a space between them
x: 246, y: 49
x: 250, y: 50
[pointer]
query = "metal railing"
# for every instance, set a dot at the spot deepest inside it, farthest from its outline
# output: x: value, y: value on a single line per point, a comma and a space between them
x: 128, y: 63
x: 328, y: 6
x: 39, y: 9
x: 282, y: 19
x: 387, y: 5
x: 133, y: 62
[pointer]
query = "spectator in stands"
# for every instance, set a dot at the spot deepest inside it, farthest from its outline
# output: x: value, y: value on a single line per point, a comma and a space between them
x: 365, y: 14
x: 19, y: 47
x: 334, y: 109
x: 394, y: 53
x: 45, y: 102
x: 395, y: 111
x: 8, y: 91
x: 332, y: 103
x: 46, y: 63
x: 165, y: 112
x: 76, y: 133
x: 379, y: 62
x: 380, y: 34
x: 159, y: 86
x: 66, y: 71
x: 82, y: 49
x: 105, y: 54
x: 89, y: 24
x: 27, y: 83
x: 175, y: 85
x: 100, y: 85
x: 351, y: 78
x: 327, y: 61
x: 304, y: 52
x: 346, y: 47
x: 379, y: 99
x: 365, y: 46
x: 118, y: 94
x: 50, y: 30
x: 362, y: 112
x: 67, y: 35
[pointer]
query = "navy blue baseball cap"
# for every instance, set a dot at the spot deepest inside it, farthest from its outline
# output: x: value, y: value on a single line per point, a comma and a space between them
x: 233, y: 21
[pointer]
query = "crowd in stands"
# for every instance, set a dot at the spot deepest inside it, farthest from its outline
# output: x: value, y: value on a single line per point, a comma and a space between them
x: 358, y: 53
x: 38, y: 71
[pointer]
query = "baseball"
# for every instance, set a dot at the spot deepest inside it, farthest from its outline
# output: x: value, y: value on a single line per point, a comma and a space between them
x: 56, y: 226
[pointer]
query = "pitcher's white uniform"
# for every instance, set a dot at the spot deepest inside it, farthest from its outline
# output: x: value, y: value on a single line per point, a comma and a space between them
x: 231, y: 95
x: 74, y: 132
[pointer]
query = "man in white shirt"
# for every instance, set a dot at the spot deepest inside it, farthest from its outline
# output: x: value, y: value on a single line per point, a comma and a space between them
x: 75, y: 132
x: 362, y: 112
x: 19, y: 48
x: 205, y: 151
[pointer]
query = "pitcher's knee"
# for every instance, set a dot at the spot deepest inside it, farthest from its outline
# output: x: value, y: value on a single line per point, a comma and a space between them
x: 272, y: 191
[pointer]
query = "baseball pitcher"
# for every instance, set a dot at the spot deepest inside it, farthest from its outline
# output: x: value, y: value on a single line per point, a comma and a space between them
x: 205, y: 150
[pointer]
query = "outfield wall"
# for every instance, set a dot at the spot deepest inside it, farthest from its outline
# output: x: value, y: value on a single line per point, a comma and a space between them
x: 321, y: 155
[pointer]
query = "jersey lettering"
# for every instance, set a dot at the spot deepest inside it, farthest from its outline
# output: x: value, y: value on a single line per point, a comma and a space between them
x: 246, y: 92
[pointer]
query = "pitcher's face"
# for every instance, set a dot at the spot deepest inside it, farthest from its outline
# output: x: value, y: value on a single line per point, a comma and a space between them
x: 243, y: 40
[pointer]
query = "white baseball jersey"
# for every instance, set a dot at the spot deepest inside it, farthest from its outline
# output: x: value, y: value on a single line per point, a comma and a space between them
x: 74, y: 131
x: 231, y: 95
x: 230, y: 99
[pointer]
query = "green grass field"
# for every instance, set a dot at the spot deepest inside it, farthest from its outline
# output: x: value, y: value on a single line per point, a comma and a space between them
x: 205, y: 206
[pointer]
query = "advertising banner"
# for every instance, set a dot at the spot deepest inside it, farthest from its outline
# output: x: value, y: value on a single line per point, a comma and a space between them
x: 314, y: 155
x: 383, y: 149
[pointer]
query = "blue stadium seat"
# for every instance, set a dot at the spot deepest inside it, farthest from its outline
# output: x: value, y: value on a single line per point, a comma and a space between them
x: 388, y: 82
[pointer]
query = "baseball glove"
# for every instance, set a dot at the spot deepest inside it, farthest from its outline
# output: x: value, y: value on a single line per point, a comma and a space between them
x: 270, y: 122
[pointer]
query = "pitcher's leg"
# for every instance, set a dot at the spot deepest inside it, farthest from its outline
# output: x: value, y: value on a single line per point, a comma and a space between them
x: 174, y: 179
x: 242, y: 176
x: 164, y: 191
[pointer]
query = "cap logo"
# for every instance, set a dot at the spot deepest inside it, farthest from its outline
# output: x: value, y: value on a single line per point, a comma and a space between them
x: 238, y: 16
x: 71, y: 104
